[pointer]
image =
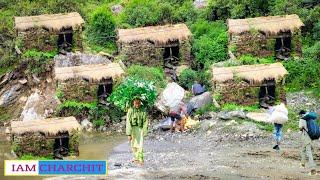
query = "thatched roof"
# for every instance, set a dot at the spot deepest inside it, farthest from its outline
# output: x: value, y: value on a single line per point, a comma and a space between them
x: 156, y: 34
x: 254, y: 74
x: 53, y: 22
x: 49, y: 126
x: 269, y: 25
x: 92, y: 72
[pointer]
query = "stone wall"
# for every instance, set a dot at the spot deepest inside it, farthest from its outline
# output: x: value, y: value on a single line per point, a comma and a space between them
x: 243, y: 93
x: 260, y: 45
x: 44, y: 40
x: 78, y: 89
x: 148, y: 53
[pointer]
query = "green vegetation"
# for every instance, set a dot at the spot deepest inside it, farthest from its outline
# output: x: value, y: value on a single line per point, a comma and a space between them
x: 188, y: 76
x: 38, y: 62
x: 153, y: 74
x: 232, y: 107
x: 249, y: 60
x: 134, y: 88
x: 32, y: 157
x: 205, y: 109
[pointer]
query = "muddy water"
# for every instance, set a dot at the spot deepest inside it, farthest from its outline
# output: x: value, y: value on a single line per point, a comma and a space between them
x: 95, y: 146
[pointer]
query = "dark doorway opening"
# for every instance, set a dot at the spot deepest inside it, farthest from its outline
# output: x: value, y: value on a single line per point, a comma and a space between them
x: 267, y: 94
x: 104, y: 90
x: 61, y: 146
x: 283, y: 48
x: 171, y: 55
x: 65, y: 40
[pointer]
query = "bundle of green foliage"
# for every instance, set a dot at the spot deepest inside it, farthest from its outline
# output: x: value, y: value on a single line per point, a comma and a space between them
x: 210, y: 42
x: 39, y: 62
x: 101, y: 26
x: 153, y: 74
x: 134, y: 88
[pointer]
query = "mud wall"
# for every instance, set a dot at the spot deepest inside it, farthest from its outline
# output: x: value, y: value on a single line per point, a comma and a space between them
x: 44, y: 40
x: 260, y: 45
x: 148, y: 53
x: 243, y: 93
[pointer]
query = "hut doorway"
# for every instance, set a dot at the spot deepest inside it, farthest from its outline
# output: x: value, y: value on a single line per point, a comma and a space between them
x: 267, y: 94
x: 65, y: 40
x: 104, y: 90
x: 283, y: 48
x: 61, y: 146
x: 171, y: 55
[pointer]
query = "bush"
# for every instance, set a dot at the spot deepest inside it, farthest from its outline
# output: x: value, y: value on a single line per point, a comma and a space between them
x: 98, y: 122
x: 39, y: 62
x: 141, y: 13
x: 210, y: 44
x: 249, y: 60
x: 187, y: 78
x: 134, y: 88
x: 154, y: 74
x: 101, y: 26
x: 186, y: 12
x: 303, y: 73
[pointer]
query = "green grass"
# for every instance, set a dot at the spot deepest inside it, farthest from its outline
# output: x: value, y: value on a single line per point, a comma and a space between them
x: 32, y: 157
x: 205, y: 109
x: 233, y: 107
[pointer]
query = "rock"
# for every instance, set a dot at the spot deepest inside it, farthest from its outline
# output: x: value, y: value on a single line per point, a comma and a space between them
x: 35, y: 79
x: 225, y: 115
x: 7, y: 131
x: 200, y: 4
x: 201, y: 100
x: 116, y: 9
x: 23, y: 81
x: 49, y: 80
x: 231, y: 123
x: 206, y: 125
x: 86, y: 125
x: 9, y: 95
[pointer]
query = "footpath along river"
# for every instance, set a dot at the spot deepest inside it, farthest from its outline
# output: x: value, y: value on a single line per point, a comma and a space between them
x: 93, y: 146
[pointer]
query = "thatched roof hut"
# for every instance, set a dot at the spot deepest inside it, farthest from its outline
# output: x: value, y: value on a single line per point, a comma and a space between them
x: 51, y: 126
x: 270, y: 25
x: 52, y: 22
x: 158, y: 34
x: 93, y: 72
x: 254, y: 74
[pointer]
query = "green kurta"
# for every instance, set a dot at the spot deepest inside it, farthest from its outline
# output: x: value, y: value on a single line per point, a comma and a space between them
x: 137, y: 127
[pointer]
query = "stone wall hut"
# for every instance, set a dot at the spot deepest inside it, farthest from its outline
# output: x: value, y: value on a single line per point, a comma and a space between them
x: 249, y: 84
x: 266, y: 36
x: 155, y: 45
x: 85, y: 77
x: 45, y: 137
x: 50, y: 32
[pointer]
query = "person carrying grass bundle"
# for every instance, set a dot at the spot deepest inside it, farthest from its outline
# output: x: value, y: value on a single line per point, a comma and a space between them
x: 136, y: 129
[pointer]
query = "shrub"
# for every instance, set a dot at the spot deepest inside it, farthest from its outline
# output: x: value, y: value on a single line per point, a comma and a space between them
x: 98, y: 122
x: 154, y: 74
x: 141, y: 13
x: 187, y: 78
x: 185, y: 13
x: 210, y: 44
x: 303, y: 73
x: 249, y: 60
x: 101, y: 26
x: 131, y: 89
x: 39, y: 62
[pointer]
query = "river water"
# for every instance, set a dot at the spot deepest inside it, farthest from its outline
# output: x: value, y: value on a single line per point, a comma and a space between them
x: 93, y: 146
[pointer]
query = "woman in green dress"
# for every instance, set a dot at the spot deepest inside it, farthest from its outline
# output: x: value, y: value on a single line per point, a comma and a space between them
x: 136, y: 129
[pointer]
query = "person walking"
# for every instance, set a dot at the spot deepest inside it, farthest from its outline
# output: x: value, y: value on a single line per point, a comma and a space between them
x: 136, y: 129
x: 307, y: 146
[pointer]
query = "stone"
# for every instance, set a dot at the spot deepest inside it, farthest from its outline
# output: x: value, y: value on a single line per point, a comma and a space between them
x: 201, y: 100
x: 225, y: 115
x: 116, y: 9
x: 206, y: 125
x: 49, y: 80
x: 86, y: 125
x: 23, y: 81
x: 35, y: 79
x: 9, y: 95
x: 7, y: 131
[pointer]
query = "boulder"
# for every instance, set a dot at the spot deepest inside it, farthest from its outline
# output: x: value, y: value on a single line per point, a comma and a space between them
x: 86, y: 125
x: 9, y: 95
x: 227, y: 115
x: 116, y: 9
x: 201, y: 100
x: 32, y: 109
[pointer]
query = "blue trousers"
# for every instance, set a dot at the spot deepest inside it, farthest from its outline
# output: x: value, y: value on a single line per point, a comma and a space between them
x: 277, y: 134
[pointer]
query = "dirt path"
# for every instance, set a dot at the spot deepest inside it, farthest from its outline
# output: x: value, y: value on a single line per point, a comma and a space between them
x: 219, y: 155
